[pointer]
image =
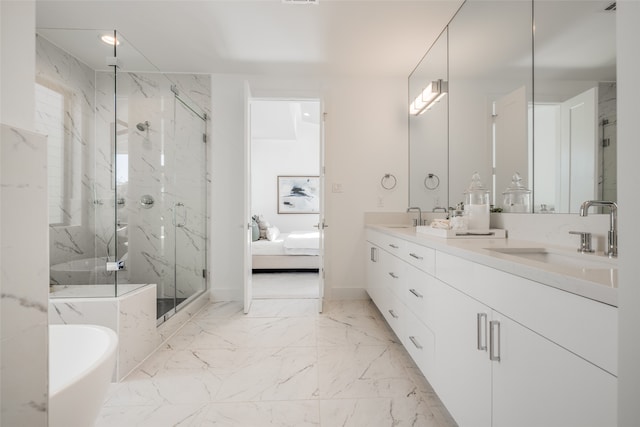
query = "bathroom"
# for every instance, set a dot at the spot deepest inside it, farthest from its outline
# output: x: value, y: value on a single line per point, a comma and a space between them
x: 382, y: 145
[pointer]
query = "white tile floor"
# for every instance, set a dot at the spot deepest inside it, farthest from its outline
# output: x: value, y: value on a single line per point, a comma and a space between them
x: 283, y: 364
x: 286, y: 285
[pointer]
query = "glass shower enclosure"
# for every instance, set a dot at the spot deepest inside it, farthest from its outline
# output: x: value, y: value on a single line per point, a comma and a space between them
x: 127, y: 169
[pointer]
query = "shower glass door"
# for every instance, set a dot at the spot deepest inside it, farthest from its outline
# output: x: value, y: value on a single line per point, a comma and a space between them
x: 186, y: 194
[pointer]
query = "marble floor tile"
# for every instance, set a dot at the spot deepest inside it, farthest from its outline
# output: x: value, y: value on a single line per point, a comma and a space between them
x: 352, y: 330
x: 299, y: 413
x: 360, y: 372
x: 408, y: 411
x: 151, y: 416
x: 283, y: 364
x: 284, y: 308
x: 286, y: 285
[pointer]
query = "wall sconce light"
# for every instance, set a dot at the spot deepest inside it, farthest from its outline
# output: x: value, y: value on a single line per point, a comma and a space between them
x: 429, y: 96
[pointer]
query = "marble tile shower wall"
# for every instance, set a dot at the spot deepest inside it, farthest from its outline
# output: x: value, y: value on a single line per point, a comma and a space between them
x: 166, y: 162
x: 24, y: 274
x: 63, y: 73
x: 161, y: 163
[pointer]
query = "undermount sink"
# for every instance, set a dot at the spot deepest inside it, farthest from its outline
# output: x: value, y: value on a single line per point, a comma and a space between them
x: 560, y: 258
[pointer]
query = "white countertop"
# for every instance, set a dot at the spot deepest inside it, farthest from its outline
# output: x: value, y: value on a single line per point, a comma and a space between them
x: 599, y: 284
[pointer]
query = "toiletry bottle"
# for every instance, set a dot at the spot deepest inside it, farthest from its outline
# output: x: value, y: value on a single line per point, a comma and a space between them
x: 476, y: 204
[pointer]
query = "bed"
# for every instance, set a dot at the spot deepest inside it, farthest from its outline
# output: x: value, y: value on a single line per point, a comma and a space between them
x: 298, y: 250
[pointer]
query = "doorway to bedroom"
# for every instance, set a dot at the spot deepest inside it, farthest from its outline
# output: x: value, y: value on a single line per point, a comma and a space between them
x: 285, y: 159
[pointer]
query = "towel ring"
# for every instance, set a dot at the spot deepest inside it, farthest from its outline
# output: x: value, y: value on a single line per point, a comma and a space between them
x: 431, y: 182
x: 388, y: 181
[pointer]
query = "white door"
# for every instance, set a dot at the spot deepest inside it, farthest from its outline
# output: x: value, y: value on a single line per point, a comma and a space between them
x: 579, y: 150
x: 322, y: 224
x: 248, y: 288
x: 556, y: 388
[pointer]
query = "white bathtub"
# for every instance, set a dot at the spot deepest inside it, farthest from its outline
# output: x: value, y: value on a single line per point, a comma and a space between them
x: 81, y: 272
x: 81, y: 363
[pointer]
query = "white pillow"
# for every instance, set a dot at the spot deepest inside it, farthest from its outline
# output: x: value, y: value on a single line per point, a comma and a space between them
x: 272, y: 233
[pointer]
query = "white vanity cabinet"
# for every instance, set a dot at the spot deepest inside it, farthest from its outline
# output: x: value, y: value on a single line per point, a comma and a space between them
x: 499, y: 350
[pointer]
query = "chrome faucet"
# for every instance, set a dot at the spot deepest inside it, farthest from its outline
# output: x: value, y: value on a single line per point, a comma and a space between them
x: 419, y: 220
x: 612, y: 236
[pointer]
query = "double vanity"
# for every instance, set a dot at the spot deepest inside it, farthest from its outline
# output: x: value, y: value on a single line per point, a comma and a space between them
x: 508, y: 333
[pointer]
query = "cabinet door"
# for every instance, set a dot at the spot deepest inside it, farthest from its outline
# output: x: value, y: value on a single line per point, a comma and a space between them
x: 373, y: 262
x: 538, y: 383
x: 462, y: 375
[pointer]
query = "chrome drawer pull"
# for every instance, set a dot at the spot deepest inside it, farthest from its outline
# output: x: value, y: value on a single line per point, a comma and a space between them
x: 393, y: 246
x: 393, y: 275
x: 416, y: 293
x: 374, y: 255
x: 482, y: 331
x: 416, y: 343
x: 494, y: 340
x: 393, y: 314
x: 416, y: 256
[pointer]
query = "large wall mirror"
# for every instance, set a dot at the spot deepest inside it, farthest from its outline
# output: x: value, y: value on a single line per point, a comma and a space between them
x: 429, y: 129
x: 575, y: 104
x: 560, y: 138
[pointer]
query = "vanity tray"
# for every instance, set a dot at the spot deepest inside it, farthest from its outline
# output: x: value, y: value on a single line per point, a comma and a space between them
x: 493, y: 233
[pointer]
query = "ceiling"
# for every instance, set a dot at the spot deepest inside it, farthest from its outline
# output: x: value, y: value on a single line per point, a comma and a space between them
x: 332, y: 38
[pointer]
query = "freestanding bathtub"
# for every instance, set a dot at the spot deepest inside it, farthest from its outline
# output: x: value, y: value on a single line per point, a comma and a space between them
x: 81, y: 363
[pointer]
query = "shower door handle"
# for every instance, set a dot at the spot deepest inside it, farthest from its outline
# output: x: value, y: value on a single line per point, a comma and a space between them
x: 175, y: 215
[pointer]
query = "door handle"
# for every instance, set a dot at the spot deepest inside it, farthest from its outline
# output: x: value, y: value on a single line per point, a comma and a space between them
x: 174, y: 220
x: 482, y: 331
x: 393, y: 314
x: 394, y: 275
x: 416, y: 256
x: 494, y: 340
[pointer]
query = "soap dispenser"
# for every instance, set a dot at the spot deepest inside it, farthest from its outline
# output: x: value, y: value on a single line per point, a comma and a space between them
x: 517, y: 197
x: 476, y: 204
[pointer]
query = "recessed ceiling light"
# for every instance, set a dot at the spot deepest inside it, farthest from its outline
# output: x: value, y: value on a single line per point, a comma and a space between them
x: 110, y: 40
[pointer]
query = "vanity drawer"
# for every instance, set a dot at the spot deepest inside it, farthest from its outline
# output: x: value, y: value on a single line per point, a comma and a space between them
x: 419, y: 256
x: 419, y: 341
x: 389, y: 243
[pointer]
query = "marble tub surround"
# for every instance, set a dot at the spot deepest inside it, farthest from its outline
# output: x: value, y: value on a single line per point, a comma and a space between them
x: 283, y: 364
x: 599, y: 284
x: 132, y: 316
x: 24, y: 262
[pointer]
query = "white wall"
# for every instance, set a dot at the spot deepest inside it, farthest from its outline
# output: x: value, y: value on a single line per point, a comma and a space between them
x: 17, y: 65
x: 365, y: 138
x: 628, y: 16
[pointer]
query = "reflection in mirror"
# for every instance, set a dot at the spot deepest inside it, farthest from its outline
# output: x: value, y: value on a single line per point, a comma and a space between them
x: 428, y: 129
x: 490, y: 82
x: 575, y: 104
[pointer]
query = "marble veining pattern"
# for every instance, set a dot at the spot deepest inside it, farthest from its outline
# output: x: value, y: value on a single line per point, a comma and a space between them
x: 24, y: 271
x: 278, y: 366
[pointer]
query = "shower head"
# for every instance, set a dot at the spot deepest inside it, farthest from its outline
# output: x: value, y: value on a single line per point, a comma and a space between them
x: 142, y: 126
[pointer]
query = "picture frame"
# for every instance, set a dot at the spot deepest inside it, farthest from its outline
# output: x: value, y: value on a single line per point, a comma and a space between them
x: 298, y: 194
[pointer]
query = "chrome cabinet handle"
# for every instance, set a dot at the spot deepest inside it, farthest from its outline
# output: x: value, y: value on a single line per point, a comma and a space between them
x: 494, y: 340
x: 416, y: 343
x: 393, y: 314
x: 482, y: 331
x: 374, y: 255
x: 394, y: 246
x: 416, y: 293
x: 418, y: 257
x: 392, y: 274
